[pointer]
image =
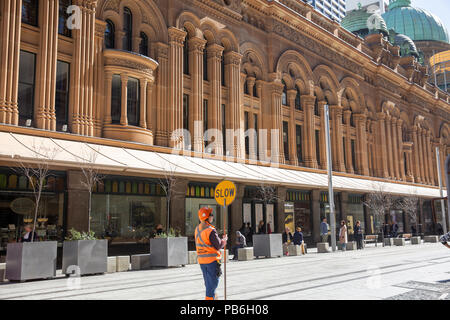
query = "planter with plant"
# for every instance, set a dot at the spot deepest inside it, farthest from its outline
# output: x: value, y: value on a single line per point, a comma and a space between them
x: 169, y: 250
x: 84, y: 254
x: 35, y: 259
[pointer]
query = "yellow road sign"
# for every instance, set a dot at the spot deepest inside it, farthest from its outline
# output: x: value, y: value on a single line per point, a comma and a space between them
x: 225, y: 193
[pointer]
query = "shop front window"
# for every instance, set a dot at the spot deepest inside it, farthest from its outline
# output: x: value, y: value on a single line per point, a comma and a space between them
x: 298, y: 204
x: 128, y: 211
x: 325, y: 209
x: 17, y: 208
x: 199, y: 196
x: 355, y: 212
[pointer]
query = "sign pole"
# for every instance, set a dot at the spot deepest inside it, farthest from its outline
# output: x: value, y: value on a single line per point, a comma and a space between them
x: 224, y: 251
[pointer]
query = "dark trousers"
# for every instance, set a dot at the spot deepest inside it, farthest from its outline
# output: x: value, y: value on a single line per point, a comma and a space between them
x: 234, y: 251
x: 359, y: 242
x: 211, y: 279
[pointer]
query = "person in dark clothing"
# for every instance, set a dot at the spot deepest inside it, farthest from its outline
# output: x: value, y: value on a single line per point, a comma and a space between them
x: 298, y: 237
x: 29, y: 235
x: 413, y: 230
x: 358, y: 235
x: 240, y: 243
x: 261, y: 227
x: 287, y: 236
x: 387, y: 230
x: 249, y: 235
x: 394, y: 230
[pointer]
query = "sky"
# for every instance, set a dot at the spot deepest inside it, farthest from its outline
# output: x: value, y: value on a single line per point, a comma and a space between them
x: 440, y: 8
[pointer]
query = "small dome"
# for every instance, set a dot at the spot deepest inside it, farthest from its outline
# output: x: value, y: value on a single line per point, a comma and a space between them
x: 362, y: 23
x: 407, y: 46
x: 418, y: 24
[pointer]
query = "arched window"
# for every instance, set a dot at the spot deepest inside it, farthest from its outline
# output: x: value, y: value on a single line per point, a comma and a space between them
x: 127, y: 29
x: 298, y: 104
x: 110, y: 35
x: 143, y: 46
x: 284, y: 96
x: 30, y: 12
x: 186, y: 55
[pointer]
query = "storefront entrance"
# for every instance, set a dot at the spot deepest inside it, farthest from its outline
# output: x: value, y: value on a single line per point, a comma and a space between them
x: 298, y: 213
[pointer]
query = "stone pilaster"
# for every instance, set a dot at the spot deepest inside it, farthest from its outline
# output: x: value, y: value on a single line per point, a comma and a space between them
x: 416, y: 167
x: 175, y: 85
x: 400, y: 149
x: 382, y: 155
x: 292, y: 134
x: 99, y: 79
x: 46, y: 67
x: 309, y: 138
x: 395, y: 148
x: 149, y: 105
x: 164, y: 112
x: 276, y: 136
x: 362, y: 144
x: 143, y: 101
x: 196, y: 48
x: 10, y: 32
x: 348, y: 143
x: 215, y: 53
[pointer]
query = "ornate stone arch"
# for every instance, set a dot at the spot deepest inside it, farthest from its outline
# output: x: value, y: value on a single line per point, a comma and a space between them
x: 253, y: 61
x: 327, y: 85
x: 351, y: 96
x: 228, y: 40
x: 189, y: 21
x: 294, y: 66
x: 444, y: 134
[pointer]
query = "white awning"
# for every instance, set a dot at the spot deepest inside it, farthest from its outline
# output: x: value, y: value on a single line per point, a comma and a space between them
x: 17, y: 147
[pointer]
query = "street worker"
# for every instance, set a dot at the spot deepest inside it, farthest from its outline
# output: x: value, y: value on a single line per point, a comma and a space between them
x: 208, y: 246
x: 445, y: 239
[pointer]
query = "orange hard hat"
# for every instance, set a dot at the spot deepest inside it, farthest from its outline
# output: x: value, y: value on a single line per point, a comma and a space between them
x: 204, y: 213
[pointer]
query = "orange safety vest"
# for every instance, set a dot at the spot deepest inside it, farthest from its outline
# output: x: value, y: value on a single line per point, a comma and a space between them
x: 206, y: 253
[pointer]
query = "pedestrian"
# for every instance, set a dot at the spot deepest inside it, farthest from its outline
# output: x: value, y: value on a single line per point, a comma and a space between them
x: 242, y: 229
x: 343, y: 236
x: 269, y: 229
x: 298, y: 239
x: 208, y: 245
x: 29, y: 235
x: 240, y: 243
x: 394, y: 230
x: 159, y: 230
x: 413, y: 230
x: 445, y: 239
x: 249, y: 235
x: 439, y: 228
x: 287, y: 236
x: 261, y: 227
x: 358, y: 235
x: 324, y: 230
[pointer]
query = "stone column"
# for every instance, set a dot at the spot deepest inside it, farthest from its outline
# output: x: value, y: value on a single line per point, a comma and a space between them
x: 10, y: 33
x: 164, y: 112
x: 389, y: 147
x: 175, y: 85
x: 292, y: 134
x: 149, y: 106
x: 108, y: 91
x: 215, y: 79
x: 81, y: 120
x: 143, y: 106
x: 309, y: 136
x: 46, y: 65
x: 395, y: 148
x: 417, y: 173
x: 339, y: 164
x: 276, y: 137
x: 422, y: 156
x: 252, y: 137
x: 431, y: 158
x: 99, y: 79
x: 400, y: 149
x: 382, y: 155
x: 233, y: 81
x: 348, y: 143
x: 196, y: 48
x: 323, y: 143
x: 124, y: 104
x: 362, y: 144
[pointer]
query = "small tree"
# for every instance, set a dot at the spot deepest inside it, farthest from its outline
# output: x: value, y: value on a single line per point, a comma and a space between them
x: 37, y: 175
x: 409, y: 206
x: 379, y: 202
x: 267, y: 194
x: 91, y: 178
x: 168, y: 184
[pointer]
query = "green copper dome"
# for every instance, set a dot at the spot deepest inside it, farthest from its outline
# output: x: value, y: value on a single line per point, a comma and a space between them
x: 362, y: 23
x: 418, y: 24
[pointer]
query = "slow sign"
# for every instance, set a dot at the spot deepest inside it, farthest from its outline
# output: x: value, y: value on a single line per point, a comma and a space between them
x: 225, y: 193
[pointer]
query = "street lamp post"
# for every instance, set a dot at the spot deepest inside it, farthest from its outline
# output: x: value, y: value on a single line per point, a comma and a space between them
x: 330, y: 179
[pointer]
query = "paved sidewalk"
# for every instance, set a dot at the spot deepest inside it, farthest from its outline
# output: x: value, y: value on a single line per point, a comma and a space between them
x: 410, y: 272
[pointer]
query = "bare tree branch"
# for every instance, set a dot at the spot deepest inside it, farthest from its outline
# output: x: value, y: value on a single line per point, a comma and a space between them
x: 409, y: 206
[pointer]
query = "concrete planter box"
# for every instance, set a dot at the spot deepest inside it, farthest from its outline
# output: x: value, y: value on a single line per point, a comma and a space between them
x: 169, y: 252
x: 30, y: 261
x: 112, y: 264
x: 323, y: 247
x: 416, y: 240
x: 89, y: 255
x: 431, y: 239
x: 400, y: 242
x: 388, y: 241
x: 192, y: 257
x: 140, y: 262
x: 351, y: 245
x: 268, y: 245
x: 245, y: 254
